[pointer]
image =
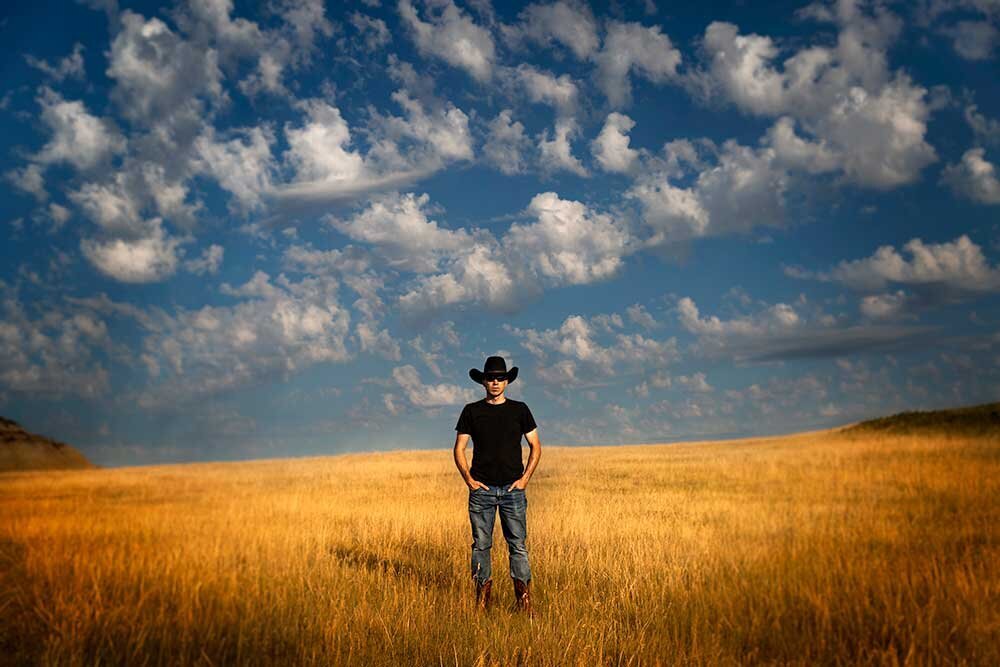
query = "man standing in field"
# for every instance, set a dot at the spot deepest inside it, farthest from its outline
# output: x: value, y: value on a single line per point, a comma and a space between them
x: 498, y: 477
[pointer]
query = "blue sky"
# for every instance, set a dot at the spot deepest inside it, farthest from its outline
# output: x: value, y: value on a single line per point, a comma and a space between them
x: 245, y: 230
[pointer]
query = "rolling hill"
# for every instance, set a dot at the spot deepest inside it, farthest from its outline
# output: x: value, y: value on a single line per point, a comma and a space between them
x: 22, y: 450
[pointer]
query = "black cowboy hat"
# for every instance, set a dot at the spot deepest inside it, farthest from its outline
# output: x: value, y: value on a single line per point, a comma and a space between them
x: 494, y: 366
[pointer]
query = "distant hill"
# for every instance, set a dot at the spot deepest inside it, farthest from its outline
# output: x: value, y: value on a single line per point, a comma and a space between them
x: 21, y: 450
x: 978, y: 420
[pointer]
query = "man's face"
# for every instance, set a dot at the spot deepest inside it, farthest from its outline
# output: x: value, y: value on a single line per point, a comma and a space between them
x: 495, y: 385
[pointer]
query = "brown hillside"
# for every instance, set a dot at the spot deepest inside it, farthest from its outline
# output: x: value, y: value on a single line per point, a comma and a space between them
x: 21, y: 450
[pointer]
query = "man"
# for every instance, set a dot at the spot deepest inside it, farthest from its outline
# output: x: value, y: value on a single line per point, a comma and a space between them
x: 498, y: 478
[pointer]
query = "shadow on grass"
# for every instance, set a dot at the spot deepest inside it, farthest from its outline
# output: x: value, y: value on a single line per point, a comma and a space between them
x: 423, y: 564
x: 22, y: 632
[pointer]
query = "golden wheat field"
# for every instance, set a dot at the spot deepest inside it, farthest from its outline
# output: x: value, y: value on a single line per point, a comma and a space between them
x: 818, y: 548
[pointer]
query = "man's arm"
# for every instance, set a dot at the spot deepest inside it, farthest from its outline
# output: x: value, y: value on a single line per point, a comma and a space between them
x: 533, y: 456
x: 461, y: 441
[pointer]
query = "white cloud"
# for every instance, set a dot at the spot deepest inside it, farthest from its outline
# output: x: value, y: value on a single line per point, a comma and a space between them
x: 53, y: 355
x: 959, y: 264
x: 69, y: 67
x: 695, y: 382
x: 557, y: 152
x: 888, y: 306
x: 862, y: 120
x: 479, y: 274
x: 568, y: 244
x: 378, y: 341
x: 639, y: 315
x: 398, y: 228
x: 157, y: 74
x: 29, y: 179
x: 987, y: 130
x: 777, y: 318
x: 778, y: 332
x: 973, y: 40
x: 430, y: 395
x: 744, y: 190
x: 243, y: 166
x: 375, y: 31
x: 59, y: 215
x: 444, y: 132
x: 559, y: 92
x: 451, y: 36
x: 575, y: 348
x: 115, y: 205
x: 317, y: 152
x: 628, y: 48
x: 141, y: 260
x: 611, y: 147
x: 276, y: 329
x: 506, y: 144
x: 403, y: 150
x: 209, y: 262
x: 570, y: 24
x: 78, y: 138
x: 974, y: 177
x: 307, y: 19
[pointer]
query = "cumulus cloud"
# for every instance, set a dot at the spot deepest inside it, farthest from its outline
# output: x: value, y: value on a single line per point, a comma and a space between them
x: 69, y: 67
x: 573, y: 352
x: 556, y: 150
x: 973, y: 40
x: 743, y: 190
x: 541, y: 87
x: 449, y: 34
x: 29, y: 179
x: 987, y: 130
x: 150, y: 258
x: 779, y: 332
x: 378, y: 341
x: 568, y: 24
x: 425, y: 395
x: 276, y: 328
x: 209, y: 262
x: 506, y: 144
x: 888, y: 306
x: 327, y: 167
x: 611, y: 147
x: 858, y: 117
x: 78, y: 138
x: 974, y: 177
x: 374, y: 31
x: 567, y: 244
x: 158, y: 74
x: 957, y: 265
x: 400, y: 232
x: 631, y: 48
x: 243, y: 165
x: 54, y: 355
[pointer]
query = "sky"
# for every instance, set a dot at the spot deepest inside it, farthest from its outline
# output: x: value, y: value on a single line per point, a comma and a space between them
x: 290, y: 227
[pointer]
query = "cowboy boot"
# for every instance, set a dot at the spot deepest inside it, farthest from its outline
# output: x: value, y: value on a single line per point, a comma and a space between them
x: 484, y: 594
x: 522, y: 596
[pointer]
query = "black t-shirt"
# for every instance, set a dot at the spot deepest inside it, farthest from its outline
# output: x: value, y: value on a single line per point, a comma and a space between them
x: 496, y: 432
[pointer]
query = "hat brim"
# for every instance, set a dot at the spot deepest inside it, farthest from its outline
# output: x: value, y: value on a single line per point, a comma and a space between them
x: 478, y: 376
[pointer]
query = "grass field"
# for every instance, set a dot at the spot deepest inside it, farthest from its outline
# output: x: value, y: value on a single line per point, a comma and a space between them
x: 821, y: 548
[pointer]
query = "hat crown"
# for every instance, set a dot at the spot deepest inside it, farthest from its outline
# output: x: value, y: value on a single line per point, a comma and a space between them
x: 495, y: 365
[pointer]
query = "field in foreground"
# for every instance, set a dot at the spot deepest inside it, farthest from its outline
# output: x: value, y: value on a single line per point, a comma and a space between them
x: 824, y: 548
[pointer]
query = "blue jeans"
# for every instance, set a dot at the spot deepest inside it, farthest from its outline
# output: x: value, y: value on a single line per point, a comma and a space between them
x: 513, y: 506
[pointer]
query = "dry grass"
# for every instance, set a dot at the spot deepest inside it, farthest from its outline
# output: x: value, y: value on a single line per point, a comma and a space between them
x: 813, y: 549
